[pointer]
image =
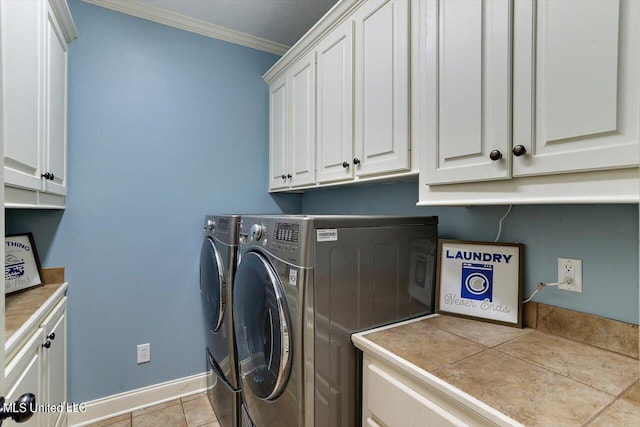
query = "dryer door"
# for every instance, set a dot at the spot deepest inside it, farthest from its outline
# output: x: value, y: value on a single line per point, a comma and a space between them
x: 262, y: 327
x: 212, y: 284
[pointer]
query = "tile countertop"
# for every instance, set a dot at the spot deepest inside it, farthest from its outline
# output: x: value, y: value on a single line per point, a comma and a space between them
x: 532, y: 377
x: 25, y: 310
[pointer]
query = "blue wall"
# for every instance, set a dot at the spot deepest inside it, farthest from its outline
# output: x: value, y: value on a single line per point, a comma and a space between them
x: 161, y: 123
x: 605, y: 237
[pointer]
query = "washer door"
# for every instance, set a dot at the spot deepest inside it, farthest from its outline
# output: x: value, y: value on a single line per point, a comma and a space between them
x: 212, y: 284
x: 262, y: 327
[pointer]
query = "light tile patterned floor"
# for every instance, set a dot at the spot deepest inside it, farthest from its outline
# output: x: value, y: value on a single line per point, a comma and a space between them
x: 190, y: 411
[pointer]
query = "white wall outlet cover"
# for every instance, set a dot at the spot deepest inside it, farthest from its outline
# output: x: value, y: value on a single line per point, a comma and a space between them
x: 570, y: 270
x: 144, y: 353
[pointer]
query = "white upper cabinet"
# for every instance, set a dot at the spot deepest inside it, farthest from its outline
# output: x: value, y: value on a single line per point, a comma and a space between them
x: 466, y: 81
x: 576, y: 85
x: 292, y: 126
x: 23, y: 67
x: 382, y: 87
x: 56, y: 125
x: 557, y: 122
x: 34, y: 60
x: 335, y: 105
x: 302, y: 86
x: 278, y: 100
x: 346, y: 83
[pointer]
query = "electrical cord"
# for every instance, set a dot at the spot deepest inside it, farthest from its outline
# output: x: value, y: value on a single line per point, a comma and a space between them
x: 542, y: 285
x: 500, y: 223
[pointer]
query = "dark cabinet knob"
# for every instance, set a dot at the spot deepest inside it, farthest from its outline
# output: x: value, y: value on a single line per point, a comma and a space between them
x: 47, y: 344
x: 345, y: 164
x: 22, y: 409
x: 519, y: 150
x: 284, y: 176
x: 52, y: 336
x: 289, y: 176
x: 52, y: 177
x: 495, y: 155
x: 46, y: 175
x: 356, y: 161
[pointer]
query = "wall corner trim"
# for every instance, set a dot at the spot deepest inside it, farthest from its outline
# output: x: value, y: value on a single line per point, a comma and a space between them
x: 161, y: 16
x: 129, y: 401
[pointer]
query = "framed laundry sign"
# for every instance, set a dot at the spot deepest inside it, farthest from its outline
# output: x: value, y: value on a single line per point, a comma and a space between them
x: 21, y: 263
x: 480, y: 280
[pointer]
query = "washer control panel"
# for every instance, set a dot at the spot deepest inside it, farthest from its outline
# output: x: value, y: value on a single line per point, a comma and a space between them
x: 282, y: 237
x: 286, y: 232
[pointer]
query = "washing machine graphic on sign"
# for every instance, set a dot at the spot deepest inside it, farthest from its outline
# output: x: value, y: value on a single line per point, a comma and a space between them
x: 477, y: 281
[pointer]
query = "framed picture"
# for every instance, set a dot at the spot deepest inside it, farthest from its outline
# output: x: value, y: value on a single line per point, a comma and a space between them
x: 480, y: 280
x: 21, y: 263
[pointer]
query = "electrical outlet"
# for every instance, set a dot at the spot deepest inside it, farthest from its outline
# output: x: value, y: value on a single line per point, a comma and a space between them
x: 570, y: 270
x: 144, y: 353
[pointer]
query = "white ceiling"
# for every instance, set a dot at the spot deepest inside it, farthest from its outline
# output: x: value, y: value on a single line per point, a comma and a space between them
x: 280, y: 21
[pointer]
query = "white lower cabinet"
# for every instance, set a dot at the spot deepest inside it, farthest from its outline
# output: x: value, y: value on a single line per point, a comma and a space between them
x: 394, y: 403
x: 391, y: 398
x: 54, y: 358
x: 23, y: 372
x: 40, y: 367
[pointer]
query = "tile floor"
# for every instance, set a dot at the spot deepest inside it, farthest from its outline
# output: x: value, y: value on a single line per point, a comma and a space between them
x: 190, y: 411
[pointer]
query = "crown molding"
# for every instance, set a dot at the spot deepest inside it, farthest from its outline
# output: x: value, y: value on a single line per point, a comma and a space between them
x: 334, y: 17
x: 161, y: 16
x: 61, y: 10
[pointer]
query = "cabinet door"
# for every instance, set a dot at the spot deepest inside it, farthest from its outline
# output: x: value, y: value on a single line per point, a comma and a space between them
x: 466, y: 85
x: 55, y: 360
x: 56, y: 123
x: 278, y: 133
x: 22, y: 23
x: 301, y: 162
x: 395, y: 404
x: 382, y: 86
x: 335, y: 105
x: 23, y: 375
x: 576, y: 72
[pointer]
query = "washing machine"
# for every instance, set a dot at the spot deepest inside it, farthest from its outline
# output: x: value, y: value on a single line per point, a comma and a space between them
x: 304, y: 284
x: 218, y: 261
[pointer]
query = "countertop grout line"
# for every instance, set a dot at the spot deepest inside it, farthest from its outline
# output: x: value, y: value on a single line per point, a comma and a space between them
x: 485, y: 348
x: 627, y: 389
x: 485, y: 345
x: 588, y: 422
x: 546, y: 368
x: 599, y: 413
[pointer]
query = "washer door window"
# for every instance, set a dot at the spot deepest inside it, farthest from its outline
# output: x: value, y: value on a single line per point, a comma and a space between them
x: 212, y: 284
x: 262, y: 327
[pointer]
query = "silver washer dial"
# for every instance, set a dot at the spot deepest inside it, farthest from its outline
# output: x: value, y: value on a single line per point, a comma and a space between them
x: 257, y: 231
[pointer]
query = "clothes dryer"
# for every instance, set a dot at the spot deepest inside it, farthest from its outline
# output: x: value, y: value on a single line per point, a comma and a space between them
x: 304, y: 284
x: 218, y: 261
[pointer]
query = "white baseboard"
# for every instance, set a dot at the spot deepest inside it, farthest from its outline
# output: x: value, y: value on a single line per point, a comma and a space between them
x: 122, y: 403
